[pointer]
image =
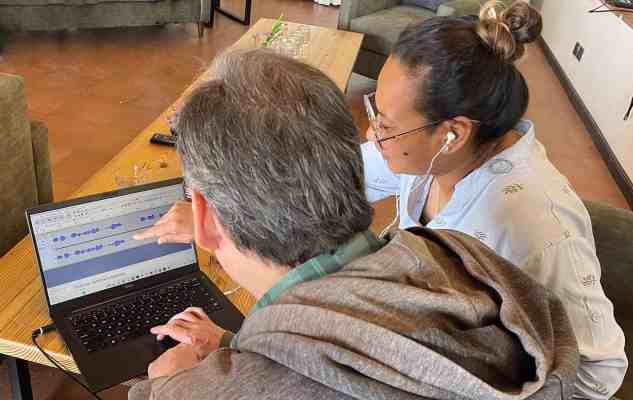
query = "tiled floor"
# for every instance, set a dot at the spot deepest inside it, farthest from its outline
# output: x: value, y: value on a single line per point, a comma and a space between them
x: 97, y: 89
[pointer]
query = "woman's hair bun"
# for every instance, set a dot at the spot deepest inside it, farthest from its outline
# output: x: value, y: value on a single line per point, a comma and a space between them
x: 506, y: 31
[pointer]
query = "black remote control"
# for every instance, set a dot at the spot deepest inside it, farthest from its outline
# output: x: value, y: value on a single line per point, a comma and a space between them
x: 165, y: 140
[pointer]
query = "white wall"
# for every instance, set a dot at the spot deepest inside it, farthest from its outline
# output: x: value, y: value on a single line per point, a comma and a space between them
x: 604, y: 77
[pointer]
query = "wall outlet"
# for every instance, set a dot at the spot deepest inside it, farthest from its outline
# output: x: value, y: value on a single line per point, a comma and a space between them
x: 578, y: 51
x: 581, y: 52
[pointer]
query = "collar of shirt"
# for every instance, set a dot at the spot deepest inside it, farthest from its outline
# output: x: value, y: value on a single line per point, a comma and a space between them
x: 362, y: 244
x: 508, y: 160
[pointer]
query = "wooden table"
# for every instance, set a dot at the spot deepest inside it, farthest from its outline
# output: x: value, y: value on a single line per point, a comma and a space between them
x: 22, y: 304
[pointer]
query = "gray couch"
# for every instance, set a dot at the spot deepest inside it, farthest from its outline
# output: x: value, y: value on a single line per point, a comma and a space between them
x: 613, y: 231
x: 382, y: 21
x: 79, y: 14
x: 25, y: 174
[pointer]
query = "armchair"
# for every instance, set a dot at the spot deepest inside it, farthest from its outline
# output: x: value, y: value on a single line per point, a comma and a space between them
x: 382, y: 21
x: 613, y: 233
x: 25, y: 174
x: 80, y: 14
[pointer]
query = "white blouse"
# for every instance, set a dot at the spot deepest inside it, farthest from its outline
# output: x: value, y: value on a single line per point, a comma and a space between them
x: 519, y: 205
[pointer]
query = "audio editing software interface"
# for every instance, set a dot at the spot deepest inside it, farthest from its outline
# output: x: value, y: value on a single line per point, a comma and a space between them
x: 87, y: 248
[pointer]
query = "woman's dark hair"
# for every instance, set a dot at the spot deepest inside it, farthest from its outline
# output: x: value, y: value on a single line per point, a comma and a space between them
x: 467, y: 66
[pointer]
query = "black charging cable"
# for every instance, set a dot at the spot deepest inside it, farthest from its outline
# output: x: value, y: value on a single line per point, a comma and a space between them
x: 48, y: 328
x: 602, y: 4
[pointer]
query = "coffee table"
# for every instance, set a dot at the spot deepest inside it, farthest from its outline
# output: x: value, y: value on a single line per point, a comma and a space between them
x: 22, y: 304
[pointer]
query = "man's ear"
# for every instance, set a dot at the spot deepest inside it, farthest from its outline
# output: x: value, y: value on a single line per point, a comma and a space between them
x: 205, y: 222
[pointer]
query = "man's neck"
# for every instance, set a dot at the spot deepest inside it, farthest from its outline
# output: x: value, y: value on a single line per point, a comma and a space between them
x: 267, y: 276
x: 250, y: 271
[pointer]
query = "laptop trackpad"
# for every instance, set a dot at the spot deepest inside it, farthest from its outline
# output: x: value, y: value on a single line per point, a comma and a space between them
x: 121, y: 363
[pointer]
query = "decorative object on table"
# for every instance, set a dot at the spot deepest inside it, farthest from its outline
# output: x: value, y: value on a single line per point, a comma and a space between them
x: 144, y: 172
x: 293, y: 42
x: 276, y: 31
x: 131, y: 176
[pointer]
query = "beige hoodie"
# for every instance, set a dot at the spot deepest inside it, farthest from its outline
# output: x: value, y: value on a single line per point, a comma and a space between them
x: 432, y: 315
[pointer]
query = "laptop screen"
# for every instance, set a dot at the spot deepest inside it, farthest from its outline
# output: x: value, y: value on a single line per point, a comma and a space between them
x: 86, y: 248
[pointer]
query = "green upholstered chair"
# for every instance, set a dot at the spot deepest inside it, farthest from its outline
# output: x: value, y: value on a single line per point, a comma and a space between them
x: 25, y: 173
x: 382, y: 21
x: 613, y: 231
x: 35, y: 15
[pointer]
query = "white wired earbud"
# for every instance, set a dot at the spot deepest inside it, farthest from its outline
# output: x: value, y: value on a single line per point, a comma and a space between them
x: 450, y: 138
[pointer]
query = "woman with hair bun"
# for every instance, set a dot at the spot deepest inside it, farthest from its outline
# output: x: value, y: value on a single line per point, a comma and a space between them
x: 447, y: 138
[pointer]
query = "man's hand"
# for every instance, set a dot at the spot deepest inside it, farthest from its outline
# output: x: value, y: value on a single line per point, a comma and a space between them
x: 174, y: 227
x: 173, y: 360
x: 192, y: 327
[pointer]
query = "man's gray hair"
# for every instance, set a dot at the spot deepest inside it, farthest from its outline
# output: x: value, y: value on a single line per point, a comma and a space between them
x: 271, y: 145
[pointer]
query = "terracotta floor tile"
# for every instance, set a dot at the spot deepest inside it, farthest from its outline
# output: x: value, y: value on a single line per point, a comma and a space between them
x: 116, y: 116
x: 80, y: 166
x: 63, y: 190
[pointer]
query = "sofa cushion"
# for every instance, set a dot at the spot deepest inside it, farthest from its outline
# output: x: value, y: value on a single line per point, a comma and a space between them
x: 31, y: 3
x: 428, y: 4
x: 460, y: 8
x: 103, y: 15
x: 382, y: 29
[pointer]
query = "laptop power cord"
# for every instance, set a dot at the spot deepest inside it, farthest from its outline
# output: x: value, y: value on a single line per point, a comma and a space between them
x: 49, y: 328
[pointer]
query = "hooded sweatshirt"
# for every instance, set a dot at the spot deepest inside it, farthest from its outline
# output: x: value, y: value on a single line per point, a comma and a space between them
x: 432, y: 315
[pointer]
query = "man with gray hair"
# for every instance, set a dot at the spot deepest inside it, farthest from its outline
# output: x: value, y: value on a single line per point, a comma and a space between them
x: 272, y: 156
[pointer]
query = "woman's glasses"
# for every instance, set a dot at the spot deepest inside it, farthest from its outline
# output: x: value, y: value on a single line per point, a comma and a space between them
x: 377, y: 127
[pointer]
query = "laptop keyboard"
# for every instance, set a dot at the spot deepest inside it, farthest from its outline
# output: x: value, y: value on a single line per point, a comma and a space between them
x: 115, y: 323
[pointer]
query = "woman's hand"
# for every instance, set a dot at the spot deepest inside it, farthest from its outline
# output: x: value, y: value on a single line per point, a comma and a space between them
x: 192, y: 327
x: 174, y: 227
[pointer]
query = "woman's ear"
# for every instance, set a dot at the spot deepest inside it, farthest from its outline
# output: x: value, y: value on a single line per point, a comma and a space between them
x: 463, y: 132
x: 207, y: 231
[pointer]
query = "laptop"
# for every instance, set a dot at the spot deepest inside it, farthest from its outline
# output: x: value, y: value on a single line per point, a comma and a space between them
x: 105, y: 290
